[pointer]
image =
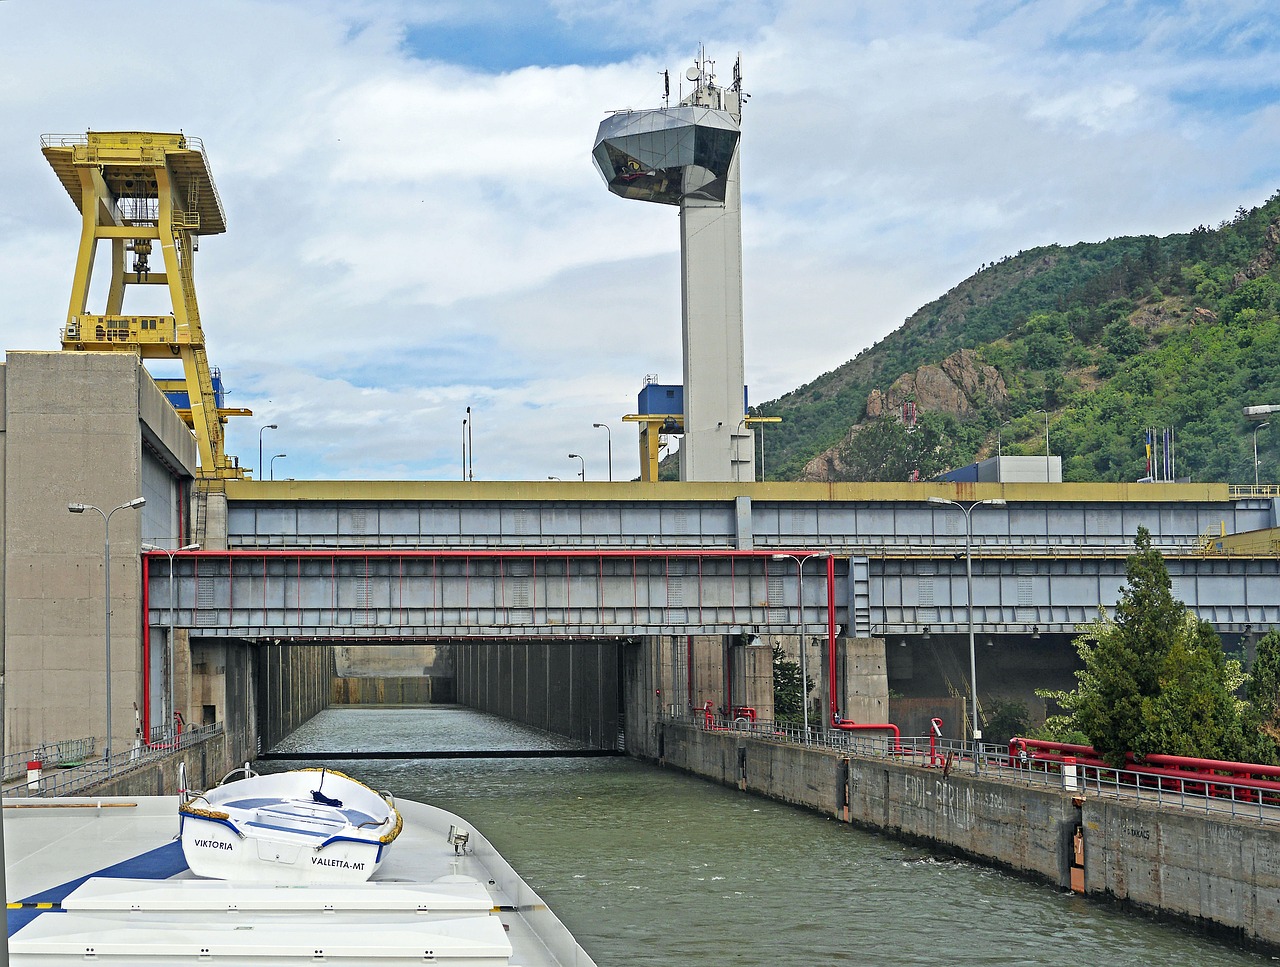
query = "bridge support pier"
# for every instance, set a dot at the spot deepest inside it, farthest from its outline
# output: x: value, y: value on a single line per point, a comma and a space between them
x: 862, y: 681
x: 749, y: 676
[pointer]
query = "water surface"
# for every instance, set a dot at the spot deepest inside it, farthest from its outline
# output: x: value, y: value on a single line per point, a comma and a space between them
x: 648, y: 866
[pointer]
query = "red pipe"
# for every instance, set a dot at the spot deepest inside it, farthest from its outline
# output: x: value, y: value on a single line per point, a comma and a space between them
x: 831, y: 635
x: 146, y: 651
x: 493, y: 552
x: 1141, y: 771
x: 1175, y: 766
x: 1176, y: 761
x: 836, y: 721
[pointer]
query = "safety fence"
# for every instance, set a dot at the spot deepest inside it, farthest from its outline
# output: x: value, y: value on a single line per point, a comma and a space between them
x: 62, y: 754
x: 48, y: 780
x: 1209, y: 793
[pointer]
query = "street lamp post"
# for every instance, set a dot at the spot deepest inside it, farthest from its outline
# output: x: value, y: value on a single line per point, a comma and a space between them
x: 273, y: 463
x: 1255, y: 450
x: 470, y: 469
x: 172, y: 689
x: 800, y: 624
x: 967, y: 510
x: 106, y: 560
x: 269, y: 426
x: 605, y: 427
x: 583, y: 472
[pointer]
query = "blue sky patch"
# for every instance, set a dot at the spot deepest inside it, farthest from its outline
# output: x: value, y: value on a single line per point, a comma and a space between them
x: 529, y: 36
x: 1235, y: 99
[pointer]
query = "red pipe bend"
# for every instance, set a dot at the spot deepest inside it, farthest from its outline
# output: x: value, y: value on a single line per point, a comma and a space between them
x: 870, y: 727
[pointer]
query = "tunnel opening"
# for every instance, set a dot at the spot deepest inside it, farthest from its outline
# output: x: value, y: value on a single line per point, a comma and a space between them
x: 569, y: 688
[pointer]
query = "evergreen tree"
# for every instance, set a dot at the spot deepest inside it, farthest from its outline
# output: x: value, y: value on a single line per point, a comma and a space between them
x: 786, y: 688
x: 1195, y: 712
x: 1122, y: 669
x: 1262, y: 717
x: 1155, y: 679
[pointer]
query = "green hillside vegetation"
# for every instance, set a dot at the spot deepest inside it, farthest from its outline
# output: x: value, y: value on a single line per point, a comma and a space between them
x: 1109, y: 337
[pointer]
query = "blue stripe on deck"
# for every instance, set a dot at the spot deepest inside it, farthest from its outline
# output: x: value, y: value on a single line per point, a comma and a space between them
x: 157, y: 864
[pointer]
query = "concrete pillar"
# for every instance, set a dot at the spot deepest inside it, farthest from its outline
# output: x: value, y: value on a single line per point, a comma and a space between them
x: 182, y: 676
x: 208, y: 682
x: 211, y: 520
x: 862, y: 683
x: 751, y: 675
x: 717, y: 444
x: 708, y: 671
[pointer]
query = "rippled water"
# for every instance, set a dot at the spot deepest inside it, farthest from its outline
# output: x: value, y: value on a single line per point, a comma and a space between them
x: 648, y: 866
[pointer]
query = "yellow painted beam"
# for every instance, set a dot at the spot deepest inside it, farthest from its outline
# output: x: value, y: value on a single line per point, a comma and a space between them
x: 127, y: 231
x: 770, y: 491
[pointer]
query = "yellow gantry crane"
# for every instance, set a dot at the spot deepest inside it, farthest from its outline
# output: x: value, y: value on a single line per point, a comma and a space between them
x: 142, y: 190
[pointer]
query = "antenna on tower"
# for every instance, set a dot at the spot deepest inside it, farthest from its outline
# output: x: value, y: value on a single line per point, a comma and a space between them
x: 666, y: 88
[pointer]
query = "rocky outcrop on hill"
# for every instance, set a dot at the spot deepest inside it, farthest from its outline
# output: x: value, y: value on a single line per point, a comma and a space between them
x: 1264, y: 260
x: 960, y: 385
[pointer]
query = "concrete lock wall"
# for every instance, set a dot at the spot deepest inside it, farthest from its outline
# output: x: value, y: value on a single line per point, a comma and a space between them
x: 415, y: 690
x: 1220, y: 873
x: 206, y: 764
x: 1217, y: 871
x: 568, y: 688
x: 291, y: 684
x: 401, y: 674
x: 78, y: 427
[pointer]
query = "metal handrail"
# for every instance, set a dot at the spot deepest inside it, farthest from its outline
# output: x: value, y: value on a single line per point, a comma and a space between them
x: 76, y: 779
x: 14, y: 765
x: 1199, y: 793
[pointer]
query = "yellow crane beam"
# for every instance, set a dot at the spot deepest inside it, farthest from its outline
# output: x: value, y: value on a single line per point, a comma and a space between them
x: 139, y: 190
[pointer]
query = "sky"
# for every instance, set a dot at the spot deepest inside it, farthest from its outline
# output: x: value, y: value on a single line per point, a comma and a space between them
x: 415, y: 225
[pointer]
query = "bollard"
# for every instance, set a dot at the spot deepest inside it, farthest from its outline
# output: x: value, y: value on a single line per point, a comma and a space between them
x: 33, y: 774
x: 1069, y: 773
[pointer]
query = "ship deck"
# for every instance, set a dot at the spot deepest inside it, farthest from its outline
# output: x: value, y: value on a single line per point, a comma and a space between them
x: 106, y: 880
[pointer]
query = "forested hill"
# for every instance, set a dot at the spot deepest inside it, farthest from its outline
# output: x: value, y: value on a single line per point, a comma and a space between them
x: 1108, y: 338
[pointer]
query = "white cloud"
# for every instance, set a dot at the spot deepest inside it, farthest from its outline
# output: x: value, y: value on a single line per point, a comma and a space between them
x: 409, y: 237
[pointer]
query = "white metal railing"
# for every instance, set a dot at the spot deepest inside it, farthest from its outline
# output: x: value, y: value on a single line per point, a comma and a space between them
x: 78, y: 778
x: 1209, y: 794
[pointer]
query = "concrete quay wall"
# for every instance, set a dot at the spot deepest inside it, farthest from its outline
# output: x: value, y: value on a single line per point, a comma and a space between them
x: 1219, y: 873
x: 206, y: 762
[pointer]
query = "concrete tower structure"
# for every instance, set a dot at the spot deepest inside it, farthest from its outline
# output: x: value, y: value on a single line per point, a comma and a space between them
x: 688, y: 156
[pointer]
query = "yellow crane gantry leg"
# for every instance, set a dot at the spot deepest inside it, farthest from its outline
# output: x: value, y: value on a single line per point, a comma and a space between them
x: 135, y: 189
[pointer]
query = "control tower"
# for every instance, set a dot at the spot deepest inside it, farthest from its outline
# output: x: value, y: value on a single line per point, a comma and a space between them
x: 687, y: 156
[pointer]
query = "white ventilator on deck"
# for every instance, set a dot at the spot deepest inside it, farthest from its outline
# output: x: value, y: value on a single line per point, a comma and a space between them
x: 688, y: 156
